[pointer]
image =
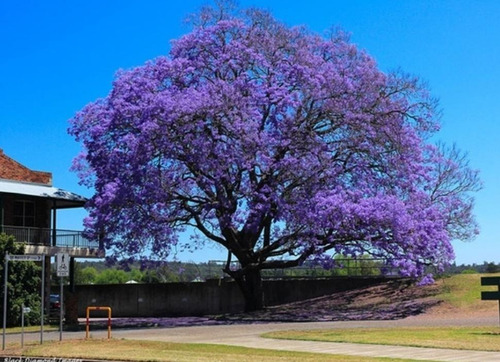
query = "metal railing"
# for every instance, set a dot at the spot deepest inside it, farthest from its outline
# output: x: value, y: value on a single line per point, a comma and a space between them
x: 344, y: 267
x: 45, y: 237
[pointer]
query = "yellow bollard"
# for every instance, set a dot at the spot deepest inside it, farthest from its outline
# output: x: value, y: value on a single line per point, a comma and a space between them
x: 88, y: 321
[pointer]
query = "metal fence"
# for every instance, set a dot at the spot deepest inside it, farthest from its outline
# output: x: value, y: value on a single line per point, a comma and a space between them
x: 45, y: 236
x: 342, y: 267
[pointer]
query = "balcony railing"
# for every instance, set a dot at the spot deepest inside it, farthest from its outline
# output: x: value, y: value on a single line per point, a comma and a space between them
x: 43, y: 236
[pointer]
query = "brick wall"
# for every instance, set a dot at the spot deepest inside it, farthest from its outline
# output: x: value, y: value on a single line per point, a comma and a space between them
x: 13, y: 170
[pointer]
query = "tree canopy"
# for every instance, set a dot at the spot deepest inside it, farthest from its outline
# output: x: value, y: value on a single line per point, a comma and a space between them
x: 278, y: 144
x: 23, y: 284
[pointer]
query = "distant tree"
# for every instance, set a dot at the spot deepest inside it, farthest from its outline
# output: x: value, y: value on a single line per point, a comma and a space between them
x: 469, y: 271
x: 161, y: 272
x: 492, y: 268
x: 135, y: 275
x: 363, y: 265
x: 112, y: 276
x: 23, y: 285
x: 163, y: 275
x: 279, y: 145
x: 86, y: 275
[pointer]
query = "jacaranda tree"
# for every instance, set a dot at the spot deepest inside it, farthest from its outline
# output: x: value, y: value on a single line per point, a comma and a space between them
x: 278, y: 144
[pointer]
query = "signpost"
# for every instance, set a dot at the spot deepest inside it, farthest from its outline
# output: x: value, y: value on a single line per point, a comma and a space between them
x: 62, y: 262
x: 62, y: 268
x: 491, y: 295
x: 23, y: 312
x: 28, y: 257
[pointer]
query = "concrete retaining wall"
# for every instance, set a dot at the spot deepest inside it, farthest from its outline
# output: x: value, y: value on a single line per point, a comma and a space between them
x: 196, y: 299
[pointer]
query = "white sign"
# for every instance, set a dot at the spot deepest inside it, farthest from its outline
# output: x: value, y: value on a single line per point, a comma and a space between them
x: 62, y: 264
x: 26, y: 309
x: 23, y: 257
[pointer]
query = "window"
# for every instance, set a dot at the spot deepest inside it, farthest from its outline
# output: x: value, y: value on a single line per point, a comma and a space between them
x: 24, y: 213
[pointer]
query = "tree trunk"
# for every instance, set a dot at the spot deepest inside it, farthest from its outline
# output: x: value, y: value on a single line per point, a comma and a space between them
x: 251, y: 286
x: 71, y: 310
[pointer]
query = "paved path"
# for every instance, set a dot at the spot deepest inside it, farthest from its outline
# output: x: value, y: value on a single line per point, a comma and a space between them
x: 249, y: 336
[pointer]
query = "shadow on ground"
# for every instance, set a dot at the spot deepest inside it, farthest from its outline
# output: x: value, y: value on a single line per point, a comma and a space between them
x: 387, y: 301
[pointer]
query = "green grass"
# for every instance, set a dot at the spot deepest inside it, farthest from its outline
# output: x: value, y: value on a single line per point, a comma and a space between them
x: 463, y: 291
x: 132, y: 350
x: 471, y: 338
x: 460, y: 293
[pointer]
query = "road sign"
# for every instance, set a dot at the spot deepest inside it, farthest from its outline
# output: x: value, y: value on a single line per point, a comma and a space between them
x: 490, y: 295
x: 62, y: 264
x: 490, y: 280
x: 27, y: 257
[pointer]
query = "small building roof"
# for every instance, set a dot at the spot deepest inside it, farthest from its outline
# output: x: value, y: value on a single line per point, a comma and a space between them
x: 62, y: 199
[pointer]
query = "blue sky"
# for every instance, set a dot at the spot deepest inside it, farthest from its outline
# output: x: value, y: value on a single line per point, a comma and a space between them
x: 56, y: 56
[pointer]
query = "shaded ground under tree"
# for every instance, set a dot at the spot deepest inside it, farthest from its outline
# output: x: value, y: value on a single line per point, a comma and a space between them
x: 387, y: 301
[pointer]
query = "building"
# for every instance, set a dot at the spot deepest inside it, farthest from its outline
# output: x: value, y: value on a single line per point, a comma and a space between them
x: 29, y: 205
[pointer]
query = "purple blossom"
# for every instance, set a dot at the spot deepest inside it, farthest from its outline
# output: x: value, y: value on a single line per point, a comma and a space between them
x: 277, y: 144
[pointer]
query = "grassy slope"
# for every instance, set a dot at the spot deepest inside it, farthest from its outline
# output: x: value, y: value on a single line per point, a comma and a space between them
x: 463, y: 292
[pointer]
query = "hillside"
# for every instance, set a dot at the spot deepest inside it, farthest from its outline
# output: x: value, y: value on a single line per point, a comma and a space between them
x: 458, y: 294
x: 461, y: 295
